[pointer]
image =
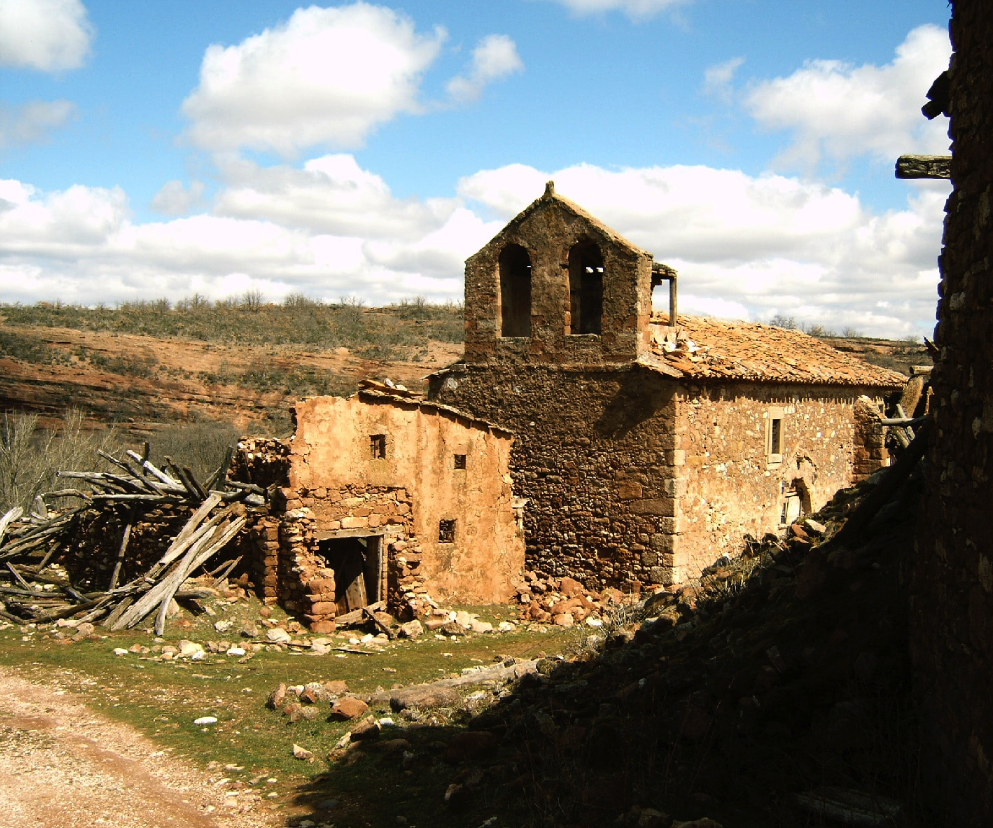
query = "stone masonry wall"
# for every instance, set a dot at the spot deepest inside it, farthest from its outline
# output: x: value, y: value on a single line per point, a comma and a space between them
x: 871, y: 453
x: 952, y: 587
x: 548, y: 232
x: 729, y: 484
x: 593, y: 455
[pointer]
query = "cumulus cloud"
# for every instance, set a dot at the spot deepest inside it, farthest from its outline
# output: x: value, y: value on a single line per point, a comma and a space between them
x: 495, y: 57
x: 718, y: 79
x: 635, y: 9
x: 838, y: 111
x: 326, y: 77
x: 33, y: 122
x: 759, y: 244
x: 176, y: 199
x: 745, y: 246
x: 47, y: 35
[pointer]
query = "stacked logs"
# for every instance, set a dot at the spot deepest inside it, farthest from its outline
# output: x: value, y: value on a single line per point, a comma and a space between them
x: 46, y: 556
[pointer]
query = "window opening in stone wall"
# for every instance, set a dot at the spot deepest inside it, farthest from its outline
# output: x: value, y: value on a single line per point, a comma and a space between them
x: 460, y: 461
x: 585, y: 289
x: 358, y: 570
x: 774, y: 436
x: 515, y: 291
x: 446, y: 531
x: 377, y: 446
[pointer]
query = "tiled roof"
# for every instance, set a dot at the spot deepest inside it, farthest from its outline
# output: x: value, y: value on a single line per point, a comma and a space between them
x: 701, y: 348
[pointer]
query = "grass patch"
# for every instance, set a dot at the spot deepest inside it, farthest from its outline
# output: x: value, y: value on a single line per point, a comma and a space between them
x: 162, y: 699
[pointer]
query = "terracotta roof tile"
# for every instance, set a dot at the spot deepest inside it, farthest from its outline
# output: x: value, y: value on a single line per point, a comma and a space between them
x: 702, y: 348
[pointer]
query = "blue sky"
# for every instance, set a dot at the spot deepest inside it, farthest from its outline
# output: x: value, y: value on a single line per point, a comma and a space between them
x: 160, y: 149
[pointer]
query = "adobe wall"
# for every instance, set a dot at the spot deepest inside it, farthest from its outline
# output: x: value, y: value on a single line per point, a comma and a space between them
x: 730, y: 485
x: 593, y: 454
x: 952, y: 587
x: 331, y: 450
x: 548, y: 233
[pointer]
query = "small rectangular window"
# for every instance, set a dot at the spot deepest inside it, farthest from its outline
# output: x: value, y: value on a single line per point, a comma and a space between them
x: 377, y: 446
x: 776, y: 436
x: 459, y: 461
x: 446, y: 531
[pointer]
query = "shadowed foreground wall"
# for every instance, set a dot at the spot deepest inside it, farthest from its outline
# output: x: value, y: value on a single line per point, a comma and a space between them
x: 952, y: 592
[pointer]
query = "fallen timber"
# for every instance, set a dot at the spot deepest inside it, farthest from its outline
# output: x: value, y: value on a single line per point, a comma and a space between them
x: 136, y: 491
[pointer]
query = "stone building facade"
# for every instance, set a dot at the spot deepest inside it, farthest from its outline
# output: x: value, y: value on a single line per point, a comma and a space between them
x: 644, y: 449
x: 952, y: 589
x: 383, y: 496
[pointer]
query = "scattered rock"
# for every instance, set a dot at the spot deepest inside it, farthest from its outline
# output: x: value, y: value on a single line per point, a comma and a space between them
x: 470, y: 746
x: 277, y: 697
x: 349, y: 707
x: 412, y: 629
x: 302, y: 753
x: 423, y: 697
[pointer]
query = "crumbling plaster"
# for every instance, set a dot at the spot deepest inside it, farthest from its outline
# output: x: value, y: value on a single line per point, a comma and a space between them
x: 332, y: 448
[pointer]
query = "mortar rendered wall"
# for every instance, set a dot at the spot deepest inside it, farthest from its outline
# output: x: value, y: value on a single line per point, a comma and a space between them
x: 331, y: 449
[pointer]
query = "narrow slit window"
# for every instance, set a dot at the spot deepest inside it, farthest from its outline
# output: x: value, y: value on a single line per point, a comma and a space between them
x: 446, y: 531
x: 377, y: 446
x: 460, y: 461
x: 776, y: 436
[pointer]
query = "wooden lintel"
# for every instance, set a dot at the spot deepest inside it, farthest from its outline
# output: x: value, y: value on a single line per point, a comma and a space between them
x: 330, y: 534
x: 924, y: 166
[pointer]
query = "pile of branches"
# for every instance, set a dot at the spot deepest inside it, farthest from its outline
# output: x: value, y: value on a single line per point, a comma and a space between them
x: 33, y: 591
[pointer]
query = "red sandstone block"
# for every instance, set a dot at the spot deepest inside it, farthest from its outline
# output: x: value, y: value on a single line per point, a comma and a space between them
x: 323, y: 608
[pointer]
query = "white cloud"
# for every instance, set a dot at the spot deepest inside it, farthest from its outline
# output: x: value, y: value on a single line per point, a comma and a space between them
x: 767, y: 244
x: 838, y: 111
x: 744, y: 246
x: 495, y: 57
x: 718, y: 79
x: 330, y: 194
x: 32, y: 122
x: 326, y: 77
x: 176, y: 199
x: 635, y: 9
x: 48, y: 35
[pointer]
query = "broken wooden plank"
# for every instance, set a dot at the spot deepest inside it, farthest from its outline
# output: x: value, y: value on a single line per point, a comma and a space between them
x: 924, y: 166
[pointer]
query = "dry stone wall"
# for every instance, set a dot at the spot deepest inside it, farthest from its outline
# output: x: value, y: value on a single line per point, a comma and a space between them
x: 952, y: 590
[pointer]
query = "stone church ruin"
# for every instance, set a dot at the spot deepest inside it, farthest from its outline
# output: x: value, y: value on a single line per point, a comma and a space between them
x: 646, y: 445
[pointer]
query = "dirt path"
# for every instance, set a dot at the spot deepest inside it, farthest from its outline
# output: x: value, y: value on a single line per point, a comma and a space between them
x: 63, y: 765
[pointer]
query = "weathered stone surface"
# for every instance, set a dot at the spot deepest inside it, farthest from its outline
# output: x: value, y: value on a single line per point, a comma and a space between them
x: 423, y: 697
x: 412, y: 629
x: 349, y: 707
x: 470, y: 746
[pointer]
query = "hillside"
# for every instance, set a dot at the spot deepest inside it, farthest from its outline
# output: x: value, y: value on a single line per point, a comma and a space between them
x: 150, y: 365
x: 242, y: 363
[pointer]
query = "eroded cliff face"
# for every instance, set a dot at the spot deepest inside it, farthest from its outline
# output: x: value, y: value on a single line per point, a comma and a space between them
x: 952, y: 591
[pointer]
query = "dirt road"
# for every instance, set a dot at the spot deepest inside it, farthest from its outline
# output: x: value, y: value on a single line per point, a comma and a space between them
x: 63, y: 765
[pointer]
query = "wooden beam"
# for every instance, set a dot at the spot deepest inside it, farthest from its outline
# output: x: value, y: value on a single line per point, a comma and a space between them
x: 924, y: 166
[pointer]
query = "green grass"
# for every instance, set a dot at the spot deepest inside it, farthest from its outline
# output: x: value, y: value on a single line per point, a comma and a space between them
x: 162, y: 700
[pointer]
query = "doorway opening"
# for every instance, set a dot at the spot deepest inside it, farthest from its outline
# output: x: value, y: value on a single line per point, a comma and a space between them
x: 359, y: 569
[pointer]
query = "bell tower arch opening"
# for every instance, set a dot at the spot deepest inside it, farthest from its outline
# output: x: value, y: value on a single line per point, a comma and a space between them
x: 586, y: 288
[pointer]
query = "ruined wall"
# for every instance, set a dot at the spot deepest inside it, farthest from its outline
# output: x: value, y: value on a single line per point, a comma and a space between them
x: 952, y: 590
x: 593, y: 453
x: 728, y: 481
x: 548, y: 233
x: 333, y: 449
x: 871, y: 453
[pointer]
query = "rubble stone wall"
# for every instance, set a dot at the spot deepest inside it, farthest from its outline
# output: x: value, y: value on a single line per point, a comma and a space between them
x: 548, y: 233
x: 727, y: 481
x: 632, y: 478
x: 952, y: 588
x: 871, y: 453
x: 593, y: 455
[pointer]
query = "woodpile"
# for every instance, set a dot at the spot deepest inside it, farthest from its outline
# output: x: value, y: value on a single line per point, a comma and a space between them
x: 145, y: 530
